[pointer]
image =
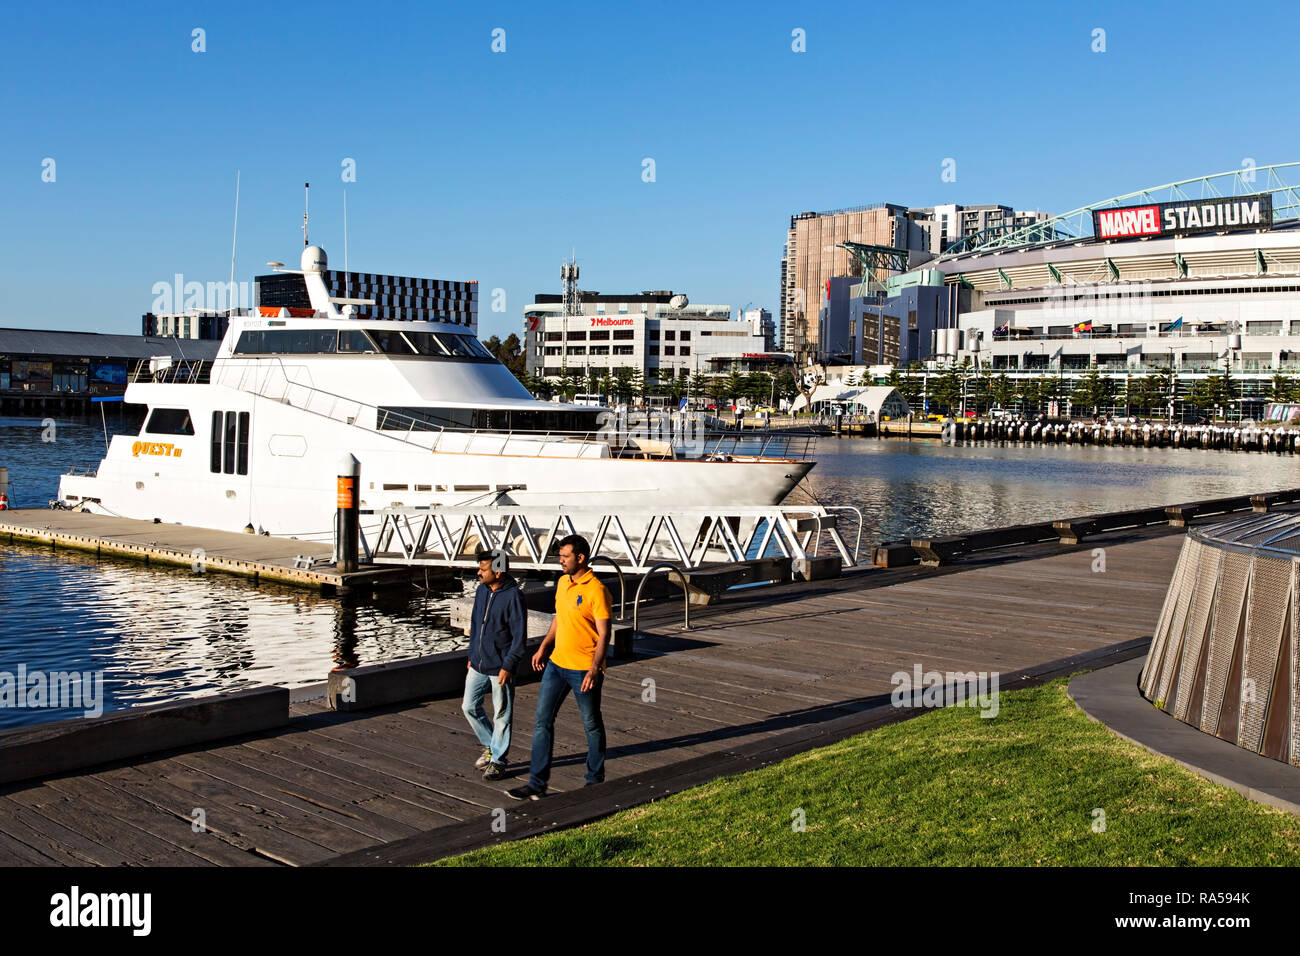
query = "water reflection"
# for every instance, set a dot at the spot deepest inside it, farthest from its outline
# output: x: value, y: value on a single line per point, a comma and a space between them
x: 162, y: 634
x: 923, y: 487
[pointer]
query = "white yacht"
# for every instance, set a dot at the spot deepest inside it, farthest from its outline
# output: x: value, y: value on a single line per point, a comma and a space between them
x: 253, y: 441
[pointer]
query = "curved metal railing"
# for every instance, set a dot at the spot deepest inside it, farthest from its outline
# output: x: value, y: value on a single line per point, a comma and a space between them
x: 686, y: 596
x: 622, y: 584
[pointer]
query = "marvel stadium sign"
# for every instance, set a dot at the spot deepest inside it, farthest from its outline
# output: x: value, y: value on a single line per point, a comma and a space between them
x: 1185, y: 217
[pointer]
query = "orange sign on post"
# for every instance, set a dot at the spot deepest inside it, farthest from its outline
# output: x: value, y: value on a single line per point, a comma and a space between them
x: 347, y: 492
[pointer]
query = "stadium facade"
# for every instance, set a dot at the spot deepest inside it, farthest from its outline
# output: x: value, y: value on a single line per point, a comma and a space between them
x: 1192, y: 279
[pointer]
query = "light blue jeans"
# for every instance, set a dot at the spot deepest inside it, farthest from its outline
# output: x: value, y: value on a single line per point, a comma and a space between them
x: 494, y: 736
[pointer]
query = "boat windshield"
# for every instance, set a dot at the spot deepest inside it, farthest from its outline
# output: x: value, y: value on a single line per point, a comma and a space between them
x: 439, y: 345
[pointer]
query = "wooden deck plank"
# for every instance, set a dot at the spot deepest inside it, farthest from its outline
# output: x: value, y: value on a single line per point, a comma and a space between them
x: 229, y: 812
x: 14, y: 852
x: 356, y: 796
x: 319, y: 797
x: 71, y: 844
x: 92, y: 794
x: 348, y: 764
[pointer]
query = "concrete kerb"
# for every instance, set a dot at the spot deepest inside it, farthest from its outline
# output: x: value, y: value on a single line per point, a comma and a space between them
x: 1110, y: 696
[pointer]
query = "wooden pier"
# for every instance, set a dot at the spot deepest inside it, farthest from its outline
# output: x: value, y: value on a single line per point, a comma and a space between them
x: 762, y: 674
x: 259, y: 557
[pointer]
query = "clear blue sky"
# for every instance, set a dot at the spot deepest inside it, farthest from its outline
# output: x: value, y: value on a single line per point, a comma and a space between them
x: 493, y: 166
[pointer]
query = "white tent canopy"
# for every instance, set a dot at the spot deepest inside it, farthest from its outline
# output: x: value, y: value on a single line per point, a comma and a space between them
x: 870, y: 400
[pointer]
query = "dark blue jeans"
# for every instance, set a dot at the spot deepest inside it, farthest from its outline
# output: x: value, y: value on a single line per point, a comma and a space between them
x: 556, y: 684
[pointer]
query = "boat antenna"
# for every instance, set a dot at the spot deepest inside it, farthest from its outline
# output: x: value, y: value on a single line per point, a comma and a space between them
x: 347, y: 281
x: 230, y: 289
x: 306, y: 196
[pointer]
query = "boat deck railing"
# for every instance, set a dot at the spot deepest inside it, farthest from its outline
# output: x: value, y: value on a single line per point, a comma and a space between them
x: 683, y: 440
x: 622, y: 442
x: 183, y: 372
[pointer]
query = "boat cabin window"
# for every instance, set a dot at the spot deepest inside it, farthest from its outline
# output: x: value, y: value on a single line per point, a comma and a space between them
x: 442, y: 345
x: 404, y: 418
x: 229, y: 441
x: 392, y: 342
x: 286, y: 341
x: 169, y: 421
x: 354, y: 340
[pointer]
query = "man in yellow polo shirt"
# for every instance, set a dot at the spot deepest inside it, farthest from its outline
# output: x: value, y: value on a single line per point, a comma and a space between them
x: 579, y: 635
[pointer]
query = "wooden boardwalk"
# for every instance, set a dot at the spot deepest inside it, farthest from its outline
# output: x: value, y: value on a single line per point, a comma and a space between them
x: 254, y: 556
x: 754, y: 668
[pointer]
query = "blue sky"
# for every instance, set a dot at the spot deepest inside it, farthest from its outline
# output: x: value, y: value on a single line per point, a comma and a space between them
x: 472, y: 164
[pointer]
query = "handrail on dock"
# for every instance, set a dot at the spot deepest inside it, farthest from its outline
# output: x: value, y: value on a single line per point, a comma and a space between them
x: 686, y: 595
x: 622, y: 584
x: 857, y: 544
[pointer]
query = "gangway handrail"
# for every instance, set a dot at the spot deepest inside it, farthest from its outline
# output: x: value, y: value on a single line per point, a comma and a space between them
x: 622, y: 584
x: 686, y: 595
x: 857, y: 544
x: 632, y: 538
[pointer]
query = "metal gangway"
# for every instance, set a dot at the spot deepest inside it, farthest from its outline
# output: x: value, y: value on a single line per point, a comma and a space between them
x: 635, y: 539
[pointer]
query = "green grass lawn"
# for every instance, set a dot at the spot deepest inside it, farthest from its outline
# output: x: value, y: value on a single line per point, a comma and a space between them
x: 949, y: 788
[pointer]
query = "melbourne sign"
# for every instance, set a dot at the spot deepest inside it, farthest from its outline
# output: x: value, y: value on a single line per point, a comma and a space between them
x: 1184, y: 217
x: 601, y: 321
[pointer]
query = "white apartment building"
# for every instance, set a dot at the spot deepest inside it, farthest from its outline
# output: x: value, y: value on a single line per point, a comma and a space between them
x: 649, y: 331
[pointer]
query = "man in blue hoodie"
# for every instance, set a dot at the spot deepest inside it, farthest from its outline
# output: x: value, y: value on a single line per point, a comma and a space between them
x: 498, y: 633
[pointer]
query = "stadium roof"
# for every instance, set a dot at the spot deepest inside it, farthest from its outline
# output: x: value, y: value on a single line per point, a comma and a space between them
x: 1076, y: 226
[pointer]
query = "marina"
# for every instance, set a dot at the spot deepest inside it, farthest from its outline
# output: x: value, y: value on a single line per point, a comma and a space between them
x: 163, y: 632
x: 749, y: 683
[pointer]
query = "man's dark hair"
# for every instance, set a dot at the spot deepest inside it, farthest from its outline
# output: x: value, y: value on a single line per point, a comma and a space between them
x: 578, y: 543
x: 500, y: 562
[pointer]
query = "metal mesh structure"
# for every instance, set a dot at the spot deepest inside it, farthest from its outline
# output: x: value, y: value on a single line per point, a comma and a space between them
x: 1151, y: 670
x: 1228, y: 619
x: 1224, y: 657
x: 1198, y: 623
x: 1270, y: 593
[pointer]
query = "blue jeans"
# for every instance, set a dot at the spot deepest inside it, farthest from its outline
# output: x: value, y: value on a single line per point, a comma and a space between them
x: 496, y: 735
x: 556, y: 684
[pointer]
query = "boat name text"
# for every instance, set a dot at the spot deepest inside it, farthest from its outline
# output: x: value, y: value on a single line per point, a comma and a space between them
x: 155, y: 448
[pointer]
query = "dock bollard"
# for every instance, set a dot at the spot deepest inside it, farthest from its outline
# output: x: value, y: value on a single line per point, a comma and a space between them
x: 347, y: 521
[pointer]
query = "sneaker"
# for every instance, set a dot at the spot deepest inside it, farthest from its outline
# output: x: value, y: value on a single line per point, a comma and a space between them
x: 484, y: 759
x: 526, y: 792
x: 494, y: 770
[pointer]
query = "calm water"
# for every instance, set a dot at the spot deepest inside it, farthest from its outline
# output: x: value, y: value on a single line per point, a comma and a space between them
x: 163, y: 634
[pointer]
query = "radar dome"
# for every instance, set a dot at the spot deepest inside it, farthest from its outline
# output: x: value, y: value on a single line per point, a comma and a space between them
x: 314, y: 260
x: 679, y: 301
